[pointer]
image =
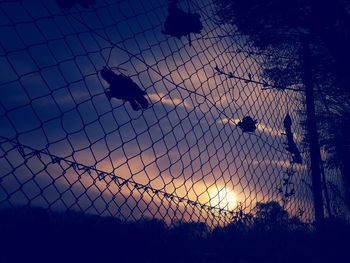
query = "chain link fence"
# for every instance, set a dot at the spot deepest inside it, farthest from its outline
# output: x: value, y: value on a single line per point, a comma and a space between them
x: 144, y: 109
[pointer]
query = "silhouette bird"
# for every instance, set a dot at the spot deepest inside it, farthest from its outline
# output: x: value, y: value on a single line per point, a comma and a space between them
x: 247, y: 124
x: 291, y: 145
x: 180, y: 23
x: 124, y: 88
x: 68, y: 4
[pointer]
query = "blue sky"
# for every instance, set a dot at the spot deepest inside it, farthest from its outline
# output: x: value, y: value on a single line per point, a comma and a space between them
x: 187, y: 141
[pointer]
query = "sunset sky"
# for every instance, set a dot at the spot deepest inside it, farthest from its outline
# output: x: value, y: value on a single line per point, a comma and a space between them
x: 186, y: 143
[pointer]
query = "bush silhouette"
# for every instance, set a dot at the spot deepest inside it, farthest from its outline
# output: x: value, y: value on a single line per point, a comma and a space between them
x: 271, y: 235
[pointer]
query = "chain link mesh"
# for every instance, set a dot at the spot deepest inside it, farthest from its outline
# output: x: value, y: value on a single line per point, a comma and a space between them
x: 66, y: 146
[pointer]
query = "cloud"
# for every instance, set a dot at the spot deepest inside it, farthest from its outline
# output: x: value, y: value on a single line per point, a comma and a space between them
x: 168, y: 100
x: 280, y: 163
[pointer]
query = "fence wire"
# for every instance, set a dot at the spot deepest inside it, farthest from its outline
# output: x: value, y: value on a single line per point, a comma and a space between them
x: 208, y: 145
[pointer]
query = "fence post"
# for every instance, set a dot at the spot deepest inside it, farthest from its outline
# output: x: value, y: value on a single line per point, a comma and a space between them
x: 312, y: 135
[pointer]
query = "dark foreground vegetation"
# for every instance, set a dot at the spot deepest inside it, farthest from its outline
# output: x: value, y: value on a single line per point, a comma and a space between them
x: 36, y: 235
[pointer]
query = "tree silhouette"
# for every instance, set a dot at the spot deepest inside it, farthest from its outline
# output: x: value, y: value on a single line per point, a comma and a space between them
x: 270, y: 215
x: 68, y: 236
x: 275, y: 27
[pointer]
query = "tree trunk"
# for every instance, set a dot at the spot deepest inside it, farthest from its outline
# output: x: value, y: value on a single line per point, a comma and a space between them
x: 313, y: 139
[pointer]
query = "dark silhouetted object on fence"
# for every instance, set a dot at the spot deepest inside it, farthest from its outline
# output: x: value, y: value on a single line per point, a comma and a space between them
x: 180, y: 23
x: 247, y: 124
x: 292, y: 147
x: 68, y: 4
x: 123, y: 88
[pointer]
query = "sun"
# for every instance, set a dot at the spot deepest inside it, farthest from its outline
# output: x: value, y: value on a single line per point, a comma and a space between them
x: 223, y: 198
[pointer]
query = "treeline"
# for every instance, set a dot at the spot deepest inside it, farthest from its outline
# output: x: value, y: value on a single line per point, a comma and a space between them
x: 271, y: 235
